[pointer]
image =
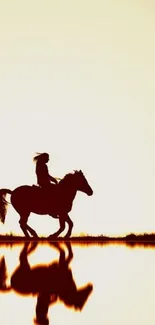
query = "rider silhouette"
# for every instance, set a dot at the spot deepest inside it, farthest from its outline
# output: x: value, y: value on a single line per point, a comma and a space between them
x: 44, y: 179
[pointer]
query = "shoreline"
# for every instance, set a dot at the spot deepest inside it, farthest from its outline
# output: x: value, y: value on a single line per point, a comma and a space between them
x: 131, y: 239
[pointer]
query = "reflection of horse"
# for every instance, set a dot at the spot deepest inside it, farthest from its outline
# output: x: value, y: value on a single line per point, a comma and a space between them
x: 49, y: 282
x: 58, y: 201
x: 3, y: 275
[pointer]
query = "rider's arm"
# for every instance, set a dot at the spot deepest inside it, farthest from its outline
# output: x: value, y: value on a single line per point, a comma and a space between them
x: 53, y: 179
x: 49, y: 176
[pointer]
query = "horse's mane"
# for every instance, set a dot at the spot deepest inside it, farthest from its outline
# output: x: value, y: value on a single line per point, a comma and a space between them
x: 67, y: 176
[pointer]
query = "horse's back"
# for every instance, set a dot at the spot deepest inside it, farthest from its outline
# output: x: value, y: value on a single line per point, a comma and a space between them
x: 20, y: 192
x: 26, y: 199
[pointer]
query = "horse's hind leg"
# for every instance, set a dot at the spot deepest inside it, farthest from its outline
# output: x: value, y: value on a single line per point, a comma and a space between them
x: 23, y: 223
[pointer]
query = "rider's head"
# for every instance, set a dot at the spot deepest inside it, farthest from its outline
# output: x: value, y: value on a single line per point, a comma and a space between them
x: 42, y: 157
x: 43, y: 302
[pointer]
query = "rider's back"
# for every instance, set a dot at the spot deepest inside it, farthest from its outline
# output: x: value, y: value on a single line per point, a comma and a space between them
x: 42, y: 174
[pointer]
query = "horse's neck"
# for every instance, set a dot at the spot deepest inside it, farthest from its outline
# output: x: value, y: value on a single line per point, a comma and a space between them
x: 73, y: 193
x: 68, y: 189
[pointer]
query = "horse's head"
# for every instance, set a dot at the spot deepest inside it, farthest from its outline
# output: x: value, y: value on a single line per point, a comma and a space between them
x: 82, y: 296
x: 77, y: 298
x: 82, y: 184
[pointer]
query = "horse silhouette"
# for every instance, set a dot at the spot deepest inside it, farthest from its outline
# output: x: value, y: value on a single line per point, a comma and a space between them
x: 49, y: 283
x: 57, y: 202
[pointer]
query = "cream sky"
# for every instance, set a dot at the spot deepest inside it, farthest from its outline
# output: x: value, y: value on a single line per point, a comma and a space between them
x: 77, y: 81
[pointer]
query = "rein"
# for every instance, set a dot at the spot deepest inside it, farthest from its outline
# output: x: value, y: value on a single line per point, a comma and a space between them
x: 58, y: 178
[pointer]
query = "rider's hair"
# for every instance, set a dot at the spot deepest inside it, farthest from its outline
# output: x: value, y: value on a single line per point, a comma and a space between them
x: 41, y: 156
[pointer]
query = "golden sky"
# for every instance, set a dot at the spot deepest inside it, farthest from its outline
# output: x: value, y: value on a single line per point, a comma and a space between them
x: 77, y: 81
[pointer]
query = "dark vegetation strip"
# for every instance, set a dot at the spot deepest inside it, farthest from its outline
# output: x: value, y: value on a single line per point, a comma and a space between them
x: 131, y: 239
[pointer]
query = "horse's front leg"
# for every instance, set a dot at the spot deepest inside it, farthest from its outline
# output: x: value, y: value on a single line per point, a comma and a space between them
x: 61, y: 229
x: 23, y: 223
x: 70, y: 224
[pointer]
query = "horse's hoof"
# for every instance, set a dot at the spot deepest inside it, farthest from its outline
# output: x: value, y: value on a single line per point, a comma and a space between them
x: 35, y: 236
x: 52, y: 237
x: 67, y: 236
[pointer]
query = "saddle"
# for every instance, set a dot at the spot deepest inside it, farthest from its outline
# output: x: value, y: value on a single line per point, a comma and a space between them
x: 46, y: 195
x: 50, y: 190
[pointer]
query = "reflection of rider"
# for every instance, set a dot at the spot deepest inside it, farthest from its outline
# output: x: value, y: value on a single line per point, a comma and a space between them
x: 43, y: 177
x: 58, y: 283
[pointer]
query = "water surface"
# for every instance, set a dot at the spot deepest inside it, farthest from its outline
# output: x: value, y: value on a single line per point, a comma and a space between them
x: 111, y: 284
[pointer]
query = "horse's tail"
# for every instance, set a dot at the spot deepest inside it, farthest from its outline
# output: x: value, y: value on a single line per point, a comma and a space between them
x: 3, y: 277
x: 3, y: 203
